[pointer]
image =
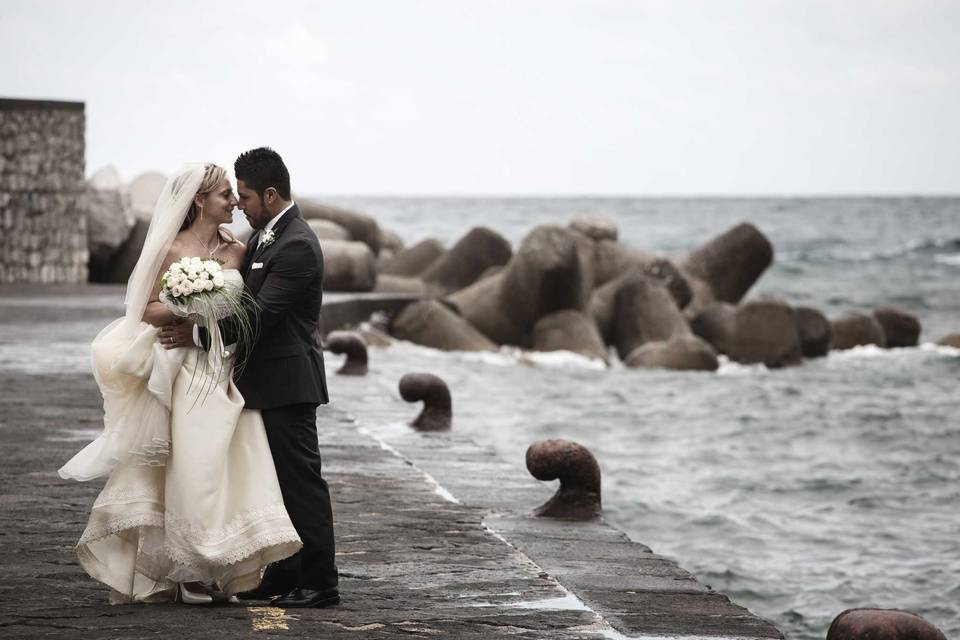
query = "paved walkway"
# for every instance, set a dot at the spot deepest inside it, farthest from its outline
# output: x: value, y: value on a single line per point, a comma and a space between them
x: 434, y: 533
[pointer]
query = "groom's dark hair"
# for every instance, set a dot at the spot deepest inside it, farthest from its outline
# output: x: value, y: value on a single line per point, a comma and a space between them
x: 262, y: 168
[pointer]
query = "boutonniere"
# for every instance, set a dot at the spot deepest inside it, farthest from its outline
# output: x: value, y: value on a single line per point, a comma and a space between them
x: 268, y: 237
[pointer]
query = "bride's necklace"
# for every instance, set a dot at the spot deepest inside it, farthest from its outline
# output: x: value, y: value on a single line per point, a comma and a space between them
x: 205, y: 245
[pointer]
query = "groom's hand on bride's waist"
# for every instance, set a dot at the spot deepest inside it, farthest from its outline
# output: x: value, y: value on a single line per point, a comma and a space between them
x: 176, y: 334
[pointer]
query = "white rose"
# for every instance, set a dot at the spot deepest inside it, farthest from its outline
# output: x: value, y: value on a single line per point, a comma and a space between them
x: 218, y: 281
x: 207, y: 285
x: 176, y: 268
x: 176, y: 291
x: 192, y: 273
x: 203, y: 275
x: 185, y: 262
x: 211, y: 266
x: 197, y: 261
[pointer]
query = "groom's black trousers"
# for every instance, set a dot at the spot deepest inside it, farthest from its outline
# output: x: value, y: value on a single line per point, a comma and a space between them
x: 292, y: 433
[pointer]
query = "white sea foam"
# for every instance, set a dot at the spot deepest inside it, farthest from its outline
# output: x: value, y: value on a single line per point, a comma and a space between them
x: 509, y: 356
x: 730, y: 368
x: 952, y: 259
x: 866, y: 351
x: 562, y: 359
x: 860, y: 352
x: 940, y: 349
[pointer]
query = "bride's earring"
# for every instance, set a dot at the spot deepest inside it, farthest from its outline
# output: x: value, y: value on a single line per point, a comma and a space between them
x: 201, y: 212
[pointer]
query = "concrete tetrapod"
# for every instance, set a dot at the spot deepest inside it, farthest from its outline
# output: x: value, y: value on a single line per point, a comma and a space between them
x: 714, y: 323
x: 354, y: 346
x: 388, y: 283
x: 603, y: 300
x: 900, y: 328
x: 125, y: 259
x: 613, y: 261
x: 686, y: 353
x: 109, y: 222
x: 362, y: 227
x: 144, y: 191
x: 105, y: 178
x: 414, y: 260
x: 855, y: 329
x: 390, y: 240
x: 432, y: 324
x: 569, y: 330
x: 579, y: 473
x: 348, y: 266
x: 730, y: 263
x: 814, y: 332
x: 437, y: 414
x: 551, y: 271
x: 882, y: 624
x: 328, y: 230
x: 645, y: 312
x: 544, y: 275
x: 477, y: 304
x: 595, y: 226
x: 461, y: 266
x: 950, y: 340
x: 765, y: 331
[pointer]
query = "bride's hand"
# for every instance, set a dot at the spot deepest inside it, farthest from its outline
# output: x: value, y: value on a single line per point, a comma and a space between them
x: 176, y: 334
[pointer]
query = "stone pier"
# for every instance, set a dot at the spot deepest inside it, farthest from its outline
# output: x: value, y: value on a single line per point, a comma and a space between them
x: 434, y: 533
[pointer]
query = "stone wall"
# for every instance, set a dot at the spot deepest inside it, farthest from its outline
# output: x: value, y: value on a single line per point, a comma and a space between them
x: 43, y: 219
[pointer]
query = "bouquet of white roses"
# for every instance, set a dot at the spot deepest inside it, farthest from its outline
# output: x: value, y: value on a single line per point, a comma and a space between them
x: 188, y: 278
x: 199, y: 289
x: 196, y: 288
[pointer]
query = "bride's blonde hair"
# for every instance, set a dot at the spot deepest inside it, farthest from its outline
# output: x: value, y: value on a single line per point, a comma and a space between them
x: 212, y: 177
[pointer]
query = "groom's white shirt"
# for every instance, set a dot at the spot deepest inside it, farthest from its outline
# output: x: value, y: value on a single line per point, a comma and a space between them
x: 267, y: 227
x: 273, y: 222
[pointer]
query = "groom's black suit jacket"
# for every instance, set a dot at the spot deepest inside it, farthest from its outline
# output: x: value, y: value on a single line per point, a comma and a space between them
x: 285, y: 366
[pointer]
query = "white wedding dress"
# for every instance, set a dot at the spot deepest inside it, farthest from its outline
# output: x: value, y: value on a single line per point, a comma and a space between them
x: 199, y: 499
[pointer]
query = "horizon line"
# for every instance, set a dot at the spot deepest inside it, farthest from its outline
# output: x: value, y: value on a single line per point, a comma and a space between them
x: 665, y: 196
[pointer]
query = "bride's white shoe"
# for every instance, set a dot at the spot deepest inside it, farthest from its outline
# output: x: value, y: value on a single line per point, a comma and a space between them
x: 187, y: 595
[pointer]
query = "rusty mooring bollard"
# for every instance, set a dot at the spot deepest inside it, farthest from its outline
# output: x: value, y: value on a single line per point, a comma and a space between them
x: 354, y: 346
x: 579, y: 494
x: 437, y: 411
x: 882, y: 624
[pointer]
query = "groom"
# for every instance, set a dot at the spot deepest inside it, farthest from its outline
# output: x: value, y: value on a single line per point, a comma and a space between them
x: 284, y: 374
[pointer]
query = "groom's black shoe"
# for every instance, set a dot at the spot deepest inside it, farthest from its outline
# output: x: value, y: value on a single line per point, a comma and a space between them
x: 302, y: 598
x: 276, y: 582
x: 260, y: 593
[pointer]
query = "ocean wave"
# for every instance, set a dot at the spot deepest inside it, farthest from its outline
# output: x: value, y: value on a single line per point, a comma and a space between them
x: 847, y: 253
x: 512, y: 356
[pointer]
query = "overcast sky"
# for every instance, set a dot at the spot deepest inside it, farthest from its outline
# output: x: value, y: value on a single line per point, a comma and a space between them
x: 514, y: 96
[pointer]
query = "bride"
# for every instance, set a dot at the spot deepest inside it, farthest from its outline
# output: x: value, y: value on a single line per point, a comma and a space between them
x: 192, y: 507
